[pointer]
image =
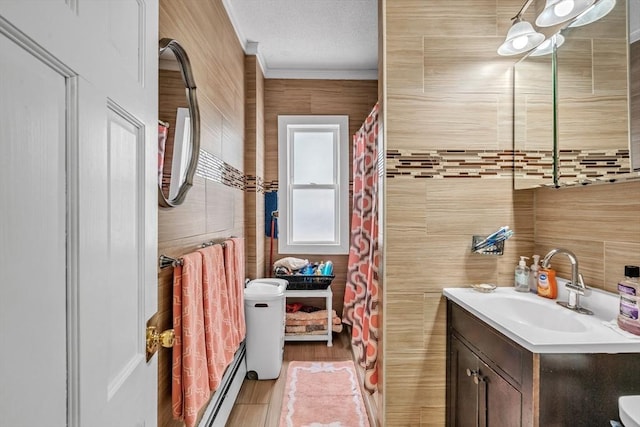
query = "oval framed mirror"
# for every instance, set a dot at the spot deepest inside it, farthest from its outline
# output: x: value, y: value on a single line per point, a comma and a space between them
x: 179, y: 124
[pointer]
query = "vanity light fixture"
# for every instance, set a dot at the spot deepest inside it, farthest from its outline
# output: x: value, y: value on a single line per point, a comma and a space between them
x: 520, y: 38
x: 559, y: 11
x: 597, y: 11
x: 547, y: 46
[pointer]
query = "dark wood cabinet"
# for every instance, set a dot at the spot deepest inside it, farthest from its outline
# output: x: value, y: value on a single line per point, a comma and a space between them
x: 464, y: 364
x: 500, y: 402
x: 480, y: 396
x: 494, y: 382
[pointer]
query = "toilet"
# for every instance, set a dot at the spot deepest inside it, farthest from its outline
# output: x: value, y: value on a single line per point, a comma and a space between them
x: 629, y: 409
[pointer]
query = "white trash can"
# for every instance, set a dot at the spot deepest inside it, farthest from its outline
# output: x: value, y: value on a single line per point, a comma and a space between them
x: 265, y: 316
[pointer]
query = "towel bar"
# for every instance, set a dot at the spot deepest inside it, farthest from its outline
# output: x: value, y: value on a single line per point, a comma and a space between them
x: 211, y: 243
x: 167, y: 261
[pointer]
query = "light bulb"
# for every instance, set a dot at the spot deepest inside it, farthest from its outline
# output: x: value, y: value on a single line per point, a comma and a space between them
x: 564, y: 7
x: 519, y: 42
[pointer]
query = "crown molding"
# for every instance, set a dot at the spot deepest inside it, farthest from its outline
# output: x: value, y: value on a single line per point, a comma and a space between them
x: 289, y: 73
x: 234, y: 23
x: 252, y: 48
x: 249, y: 47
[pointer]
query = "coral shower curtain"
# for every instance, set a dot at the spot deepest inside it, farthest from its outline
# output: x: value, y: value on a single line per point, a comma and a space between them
x: 361, y: 295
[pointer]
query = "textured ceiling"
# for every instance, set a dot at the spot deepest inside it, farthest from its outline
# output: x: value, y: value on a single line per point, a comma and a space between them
x: 309, y: 38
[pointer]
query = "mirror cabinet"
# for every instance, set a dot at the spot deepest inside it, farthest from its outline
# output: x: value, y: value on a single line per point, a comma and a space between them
x: 179, y: 124
x: 573, y: 107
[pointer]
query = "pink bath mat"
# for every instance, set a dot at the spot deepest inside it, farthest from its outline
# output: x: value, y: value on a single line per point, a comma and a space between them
x: 322, y: 394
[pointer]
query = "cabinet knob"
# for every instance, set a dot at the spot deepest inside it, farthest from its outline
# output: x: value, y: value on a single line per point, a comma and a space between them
x: 475, y: 374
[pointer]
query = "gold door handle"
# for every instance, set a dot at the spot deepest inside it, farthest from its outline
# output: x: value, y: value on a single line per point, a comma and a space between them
x: 156, y: 339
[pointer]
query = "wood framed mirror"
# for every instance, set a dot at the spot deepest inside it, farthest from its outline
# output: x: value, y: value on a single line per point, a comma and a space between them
x: 179, y: 124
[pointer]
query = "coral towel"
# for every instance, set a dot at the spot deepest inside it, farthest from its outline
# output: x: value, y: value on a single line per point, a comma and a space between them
x: 213, y: 283
x: 190, y: 382
x: 234, y: 263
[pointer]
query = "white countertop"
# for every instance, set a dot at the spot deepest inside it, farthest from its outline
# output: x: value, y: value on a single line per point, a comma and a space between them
x: 583, y: 334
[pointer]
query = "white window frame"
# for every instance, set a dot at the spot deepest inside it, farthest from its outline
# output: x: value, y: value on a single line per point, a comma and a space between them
x: 287, y: 126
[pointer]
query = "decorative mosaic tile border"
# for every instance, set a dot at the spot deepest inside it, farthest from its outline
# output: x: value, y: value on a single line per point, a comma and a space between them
x: 254, y: 184
x: 449, y: 163
x: 580, y: 164
x: 440, y: 164
x: 271, y: 186
x: 534, y: 164
x: 214, y: 169
x: 443, y: 164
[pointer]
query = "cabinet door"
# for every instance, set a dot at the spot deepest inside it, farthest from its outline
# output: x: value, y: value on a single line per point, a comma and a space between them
x: 464, y: 392
x: 500, y: 404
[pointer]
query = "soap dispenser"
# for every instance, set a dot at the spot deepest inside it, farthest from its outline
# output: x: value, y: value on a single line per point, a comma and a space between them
x: 521, y: 282
x: 533, y: 275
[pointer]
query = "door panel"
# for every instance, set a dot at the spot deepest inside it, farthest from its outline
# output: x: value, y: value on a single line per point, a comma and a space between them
x: 33, y: 101
x: 465, y: 394
x: 81, y: 244
x: 502, y: 403
x: 126, y: 283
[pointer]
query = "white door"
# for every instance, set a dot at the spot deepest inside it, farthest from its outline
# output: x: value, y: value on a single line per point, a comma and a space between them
x: 78, y: 212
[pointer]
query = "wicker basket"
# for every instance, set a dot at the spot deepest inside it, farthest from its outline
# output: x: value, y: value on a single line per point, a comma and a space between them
x: 300, y: 282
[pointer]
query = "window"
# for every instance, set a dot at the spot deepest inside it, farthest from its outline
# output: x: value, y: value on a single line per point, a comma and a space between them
x: 313, y: 188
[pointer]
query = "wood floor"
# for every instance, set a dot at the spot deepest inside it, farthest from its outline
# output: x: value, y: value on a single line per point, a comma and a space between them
x: 260, y: 401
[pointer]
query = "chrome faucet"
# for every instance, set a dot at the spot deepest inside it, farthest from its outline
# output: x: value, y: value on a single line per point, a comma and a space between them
x: 576, y: 287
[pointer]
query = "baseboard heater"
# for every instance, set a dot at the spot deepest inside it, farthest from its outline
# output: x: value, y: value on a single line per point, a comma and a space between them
x: 221, y: 404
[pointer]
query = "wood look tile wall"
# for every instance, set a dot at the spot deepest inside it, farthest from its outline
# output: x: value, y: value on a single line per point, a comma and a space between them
x: 443, y: 94
x: 444, y: 91
x: 212, y: 210
x: 600, y: 224
x: 322, y: 97
x: 254, y: 167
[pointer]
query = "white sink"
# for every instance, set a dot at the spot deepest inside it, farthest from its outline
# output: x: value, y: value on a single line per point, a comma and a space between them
x: 537, y: 314
x: 542, y: 326
x: 629, y: 407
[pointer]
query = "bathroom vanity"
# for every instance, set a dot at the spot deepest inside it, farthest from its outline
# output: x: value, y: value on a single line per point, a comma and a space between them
x: 520, y: 360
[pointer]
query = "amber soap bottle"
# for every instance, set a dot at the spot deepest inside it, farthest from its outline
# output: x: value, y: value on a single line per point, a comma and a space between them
x: 547, y: 285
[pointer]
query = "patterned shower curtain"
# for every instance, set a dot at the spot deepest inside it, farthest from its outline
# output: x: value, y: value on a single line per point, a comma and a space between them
x: 361, y: 295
